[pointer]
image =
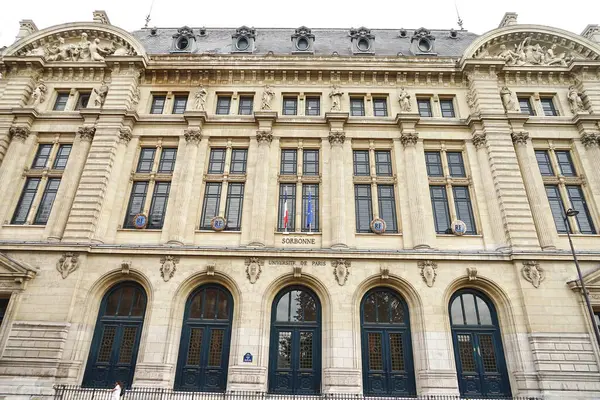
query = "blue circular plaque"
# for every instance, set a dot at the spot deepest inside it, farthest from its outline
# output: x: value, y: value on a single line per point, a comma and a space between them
x: 218, y: 223
x: 140, y: 221
x: 459, y: 228
x: 378, y: 226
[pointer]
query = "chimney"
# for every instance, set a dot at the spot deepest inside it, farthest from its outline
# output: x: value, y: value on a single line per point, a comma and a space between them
x: 26, y: 28
x: 101, y: 17
x: 592, y: 32
x: 510, y: 18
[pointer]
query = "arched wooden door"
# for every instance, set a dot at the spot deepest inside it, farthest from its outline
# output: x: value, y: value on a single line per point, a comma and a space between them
x: 386, y: 345
x: 478, y: 350
x: 205, y: 337
x: 295, y: 352
x: 116, y: 340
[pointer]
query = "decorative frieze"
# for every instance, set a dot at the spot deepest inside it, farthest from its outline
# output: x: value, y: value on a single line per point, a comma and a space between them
x: 86, y: 133
x: 168, y: 267
x: 341, y: 271
x: 533, y: 273
x: 253, y: 269
x: 428, y: 272
x: 68, y: 263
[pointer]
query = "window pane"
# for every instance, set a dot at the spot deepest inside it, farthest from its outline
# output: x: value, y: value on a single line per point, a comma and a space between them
x: 239, y: 157
x: 464, y: 210
x: 485, y: 316
x: 369, y: 308
x: 210, y: 208
x: 159, y: 205
x: 41, y: 156
x: 246, y: 105
x: 380, y: 107
x: 424, y: 107
x: 61, y: 101
x: 24, y: 205
x: 543, y: 160
x: 158, y: 104
x: 289, y: 162
x: 364, y: 207
x: 548, y: 107
x: 146, y: 160
x: 290, y: 105
x: 223, y: 105
x: 557, y: 207
x: 136, y: 202
x: 60, y: 162
x: 3, y: 308
x: 313, y: 106
x: 287, y: 201
x: 447, y: 107
x: 216, y: 162
x: 179, y: 104
x: 441, y: 213
x: 584, y: 219
x: 43, y: 213
x: 456, y: 164
x: 361, y: 163
x: 310, y: 163
x: 456, y: 312
x: 167, y: 160
x: 387, y: 207
x: 310, y: 194
x: 383, y: 163
x: 284, y: 352
x: 433, y: 160
x: 357, y: 107
x: 565, y: 162
x: 283, y: 308
x: 233, y: 206
x: 525, y: 106
x: 83, y: 100
x: 469, y: 306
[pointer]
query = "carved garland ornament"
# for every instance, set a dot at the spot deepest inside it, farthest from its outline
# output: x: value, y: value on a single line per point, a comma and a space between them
x: 341, y: 270
x: 68, y: 263
x: 253, y: 268
x: 168, y: 267
x: 428, y: 272
x: 533, y: 273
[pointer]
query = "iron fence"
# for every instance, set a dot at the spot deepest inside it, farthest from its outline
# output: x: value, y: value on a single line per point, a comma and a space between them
x: 63, y: 392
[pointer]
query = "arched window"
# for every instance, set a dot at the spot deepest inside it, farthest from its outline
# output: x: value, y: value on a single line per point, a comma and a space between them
x: 478, y: 351
x: 205, y: 336
x: 295, y: 352
x: 386, y: 344
x: 116, y: 340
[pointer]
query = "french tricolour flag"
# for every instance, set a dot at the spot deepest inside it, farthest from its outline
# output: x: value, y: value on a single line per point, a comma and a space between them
x: 286, y: 216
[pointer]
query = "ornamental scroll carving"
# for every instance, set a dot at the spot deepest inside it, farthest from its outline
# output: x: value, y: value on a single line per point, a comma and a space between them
x: 479, y: 140
x: 193, y: 135
x: 519, y: 137
x: 428, y: 272
x: 168, y: 267
x: 341, y: 271
x: 68, y: 263
x: 253, y: 268
x: 87, y: 133
x: 533, y: 273
x: 19, y: 132
x: 264, y: 137
x: 337, y: 137
x: 409, y: 138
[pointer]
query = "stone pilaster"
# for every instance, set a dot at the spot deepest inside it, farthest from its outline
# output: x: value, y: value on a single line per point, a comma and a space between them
x: 5, y: 123
x: 337, y: 196
x: 587, y: 82
x: 18, y: 88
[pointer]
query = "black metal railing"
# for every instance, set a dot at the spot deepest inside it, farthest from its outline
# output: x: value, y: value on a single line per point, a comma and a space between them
x: 63, y: 392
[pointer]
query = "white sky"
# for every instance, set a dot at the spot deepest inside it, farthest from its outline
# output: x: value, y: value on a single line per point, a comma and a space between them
x: 479, y: 16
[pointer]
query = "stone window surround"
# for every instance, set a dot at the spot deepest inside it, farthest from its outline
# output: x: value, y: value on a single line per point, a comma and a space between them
x: 536, y: 104
x: 448, y: 181
x: 169, y: 100
x: 434, y: 101
x: 73, y: 100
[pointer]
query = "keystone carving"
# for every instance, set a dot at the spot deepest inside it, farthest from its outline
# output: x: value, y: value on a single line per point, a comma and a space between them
x: 168, y: 267
x: 428, y: 272
x: 520, y: 137
x: 19, y: 132
x: 68, y: 263
x: 533, y: 273
x: 264, y: 137
x: 409, y: 138
x: 341, y: 271
x: 472, y: 273
x: 337, y: 137
x: 479, y: 140
x: 86, y: 133
x: 385, y: 272
x: 192, y: 135
x: 210, y: 269
x: 253, y: 269
x: 125, y: 267
x: 297, y: 270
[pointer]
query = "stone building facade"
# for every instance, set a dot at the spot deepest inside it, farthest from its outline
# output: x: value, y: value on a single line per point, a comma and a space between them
x: 146, y: 178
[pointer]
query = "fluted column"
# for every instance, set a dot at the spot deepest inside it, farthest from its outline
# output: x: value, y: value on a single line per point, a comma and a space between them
x: 69, y: 183
x: 183, y: 194
x: 538, y: 202
x: 259, y: 201
x: 337, y: 195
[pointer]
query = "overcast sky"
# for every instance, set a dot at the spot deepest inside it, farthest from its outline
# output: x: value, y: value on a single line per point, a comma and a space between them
x: 479, y: 16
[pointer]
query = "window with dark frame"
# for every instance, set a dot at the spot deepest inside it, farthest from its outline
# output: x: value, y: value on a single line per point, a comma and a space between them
x: 441, y: 212
x: 464, y: 208
x: 380, y: 107
x: 62, y: 156
x: 233, y: 206
x: 361, y: 163
x: 166, y: 164
x: 525, y: 106
x: 287, y: 191
x: 447, y: 107
x: 310, y: 162
x: 584, y: 219
x: 216, y: 161
x: 158, y: 206
x: 424, y: 106
x: 548, y: 106
x: 383, y: 163
x: 61, y: 101
x: 456, y: 165
x: 210, y: 206
x: 290, y: 105
x: 357, y: 106
x: 3, y: 309
x: 433, y: 162
x: 246, y: 105
x: 364, y: 208
x: 313, y: 106
x: 25, y: 201
x: 136, y: 202
x: 42, y: 156
x: 543, y: 160
x: 313, y: 191
x: 158, y: 104
x: 180, y: 103
x: 565, y: 163
x: 386, y: 200
x: 223, y: 104
x: 83, y: 100
x: 146, y: 160
x: 557, y: 207
x: 289, y: 162
x: 239, y: 158
x: 45, y: 207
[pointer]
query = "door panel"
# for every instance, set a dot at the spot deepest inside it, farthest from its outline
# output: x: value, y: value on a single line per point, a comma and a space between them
x: 491, y: 377
x: 469, y: 378
x: 296, y: 367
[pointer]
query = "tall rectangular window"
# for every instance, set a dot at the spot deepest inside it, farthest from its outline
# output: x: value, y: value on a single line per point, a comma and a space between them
x: 43, y: 212
x: 223, y: 105
x: 464, y: 210
x: 424, y: 106
x: 167, y: 160
x: 3, y: 309
x: 61, y: 101
x: 387, y: 207
x: 543, y: 160
x: 26, y: 200
x: 158, y: 104
x: 41, y: 156
x: 216, y: 161
x: 313, y: 106
x: 584, y: 219
x: 146, y: 161
x: 456, y: 165
x: 233, y: 206
x: 383, y: 163
x: 565, y: 163
x: 525, y: 106
x: 311, y: 191
x: 62, y: 156
x: 289, y: 162
x: 361, y: 163
x: 136, y: 203
x: 239, y: 158
x: 433, y: 161
x: 287, y: 192
x: 447, y: 107
x: 380, y: 107
x: 357, y: 106
x: 363, y: 204
x: 290, y: 105
x: 310, y: 162
x: 179, y: 104
x: 441, y: 213
x: 245, y: 106
x: 548, y: 106
x: 158, y: 207
x: 557, y: 207
x: 210, y: 207
x: 83, y: 100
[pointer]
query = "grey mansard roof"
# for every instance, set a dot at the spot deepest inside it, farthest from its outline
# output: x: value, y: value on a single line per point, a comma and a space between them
x: 388, y: 42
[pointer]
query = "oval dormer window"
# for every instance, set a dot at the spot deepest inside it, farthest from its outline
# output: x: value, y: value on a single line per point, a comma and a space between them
x: 242, y: 44
x: 363, y: 44
x: 182, y: 43
x: 424, y: 45
x: 302, y: 44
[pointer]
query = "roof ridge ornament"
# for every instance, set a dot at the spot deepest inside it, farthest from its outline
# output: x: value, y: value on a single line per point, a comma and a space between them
x: 510, y: 18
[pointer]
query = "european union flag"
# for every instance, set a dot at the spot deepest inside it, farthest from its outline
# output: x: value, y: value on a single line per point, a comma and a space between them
x: 309, y: 212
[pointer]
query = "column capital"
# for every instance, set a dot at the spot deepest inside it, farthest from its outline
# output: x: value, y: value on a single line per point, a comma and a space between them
x: 264, y: 137
x: 337, y: 137
x: 86, y: 133
x: 590, y: 139
x: 19, y: 132
x: 520, y: 137
x: 193, y: 135
x: 125, y: 134
x: 409, y: 138
x: 479, y: 140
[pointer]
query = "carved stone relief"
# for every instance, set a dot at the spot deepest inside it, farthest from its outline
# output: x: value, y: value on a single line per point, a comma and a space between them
x: 38, y: 96
x: 520, y: 137
x: 253, y: 268
x: 409, y: 138
x: 428, y: 272
x: 168, y: 267
x: 68, y: 263
x: 100, y: 94
x: 507, y: 100
x: 575, y: 102
x: 264, y: 137
x: 479, y: 140
x: 125, y: 267
x: 341, y: 270
x: 297, y: 271
x: 385, y: 272
x: 267, y: 97
x: 19, y: 132
x: 125, y: 134
x: 533, y: 273
x: 200, y: 99
x: 336, y: 98
x: 337, y: 137
x: 86, y: 133
x: 589, y: 139
x: 526, y: 52
x: 210, y: 269
x: 404, y: 100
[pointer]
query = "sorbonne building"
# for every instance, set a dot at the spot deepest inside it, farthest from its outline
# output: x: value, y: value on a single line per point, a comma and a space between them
x: 297, y: 211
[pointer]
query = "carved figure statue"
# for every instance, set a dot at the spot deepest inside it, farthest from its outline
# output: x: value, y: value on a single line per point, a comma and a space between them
x: 507, y: 99
x: 36, y: 51
x: 135, y: 99
x: 267, y: 97
x: 552, y: 59
x: 527, y: 53
x: 97, y: 52
x: 38, y: 96
x: 200, y: 99
x: 336, y: 98
x: 101, y: 94
x: 62, y: 52
x: 84, y: 47
x: 509, y: 56
x: 575, y: 101
x: 404, y: 99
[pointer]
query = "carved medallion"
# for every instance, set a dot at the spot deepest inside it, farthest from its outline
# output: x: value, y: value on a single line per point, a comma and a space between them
x: 68, y: 263
x: 168, y: 267
x: 533, y: 273
x: 428, y: 272
x: 253, y: 269
x: 341, y: 270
